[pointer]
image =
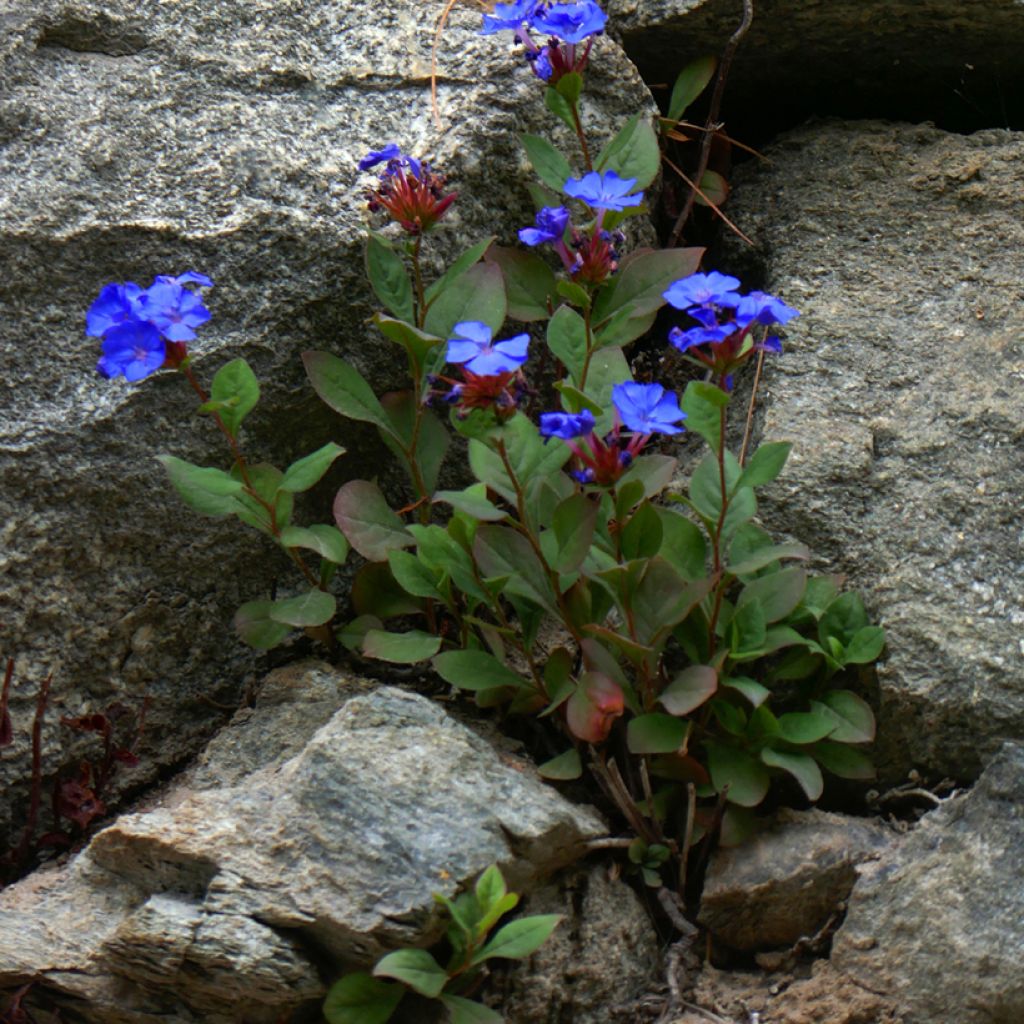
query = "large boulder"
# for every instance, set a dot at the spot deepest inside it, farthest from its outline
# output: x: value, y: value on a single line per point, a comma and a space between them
x: 222, y: 136
x: 270, y: 866
x: 937, y: 923
x: 900, y: 386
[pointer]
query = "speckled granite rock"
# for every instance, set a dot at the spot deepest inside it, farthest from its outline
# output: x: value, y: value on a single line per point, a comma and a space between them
x: 222, y: 135
x: 223, y: 901
x: 901, y: 386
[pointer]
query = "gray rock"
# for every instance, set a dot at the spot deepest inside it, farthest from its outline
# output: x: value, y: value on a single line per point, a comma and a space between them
x: 785, y: 883
x: 144, y: 139
x: 901, y: 386
x: 937, y: 923
x: 602, y: 957
x: 222, y: 903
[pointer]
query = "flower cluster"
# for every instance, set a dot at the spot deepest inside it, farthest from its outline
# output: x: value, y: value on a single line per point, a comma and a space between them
x: 146, y: 329
x: 644, y: 409
x: 725, y: 319
x: 565, y: 26
x: 595, y: 257
x: 407, y: 189
x: 492, y: 378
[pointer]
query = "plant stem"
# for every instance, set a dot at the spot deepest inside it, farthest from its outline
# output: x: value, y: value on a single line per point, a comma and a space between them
x: 748, y: 426
x: 421, y: 302
x: 716, y: 540
x: 590, y: 348
x: 579, y: 135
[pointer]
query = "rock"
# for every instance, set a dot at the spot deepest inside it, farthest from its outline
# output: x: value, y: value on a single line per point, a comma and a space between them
x: 909, y: 60
x: 937, y: 924
x: 223, y: 902
x: 601, y: 958
x: 786, y: 882
x: 900, y: 385
x: 205, y: 135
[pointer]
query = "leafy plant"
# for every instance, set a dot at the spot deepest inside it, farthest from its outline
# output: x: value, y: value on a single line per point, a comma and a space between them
x: 362, y: 998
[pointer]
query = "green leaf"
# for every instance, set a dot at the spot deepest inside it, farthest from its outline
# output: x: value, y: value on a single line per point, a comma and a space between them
x: 842, y: 760
x: 266, y: 484
x: 656, y: 734
x: 622, y: 327
x: 607, y: 368
x: 641, y: 280
x: 778, y: 593
x: 465, y: 1011
x: 256, y: 628
x: 343, y: 388
x: 682, y: 544
x: 802, y: 727
x: 567, y: 339
x: 689, y: 84
x: 388, y: 277
x: 478, y: 294
x: 702, y: 402
x: 552, y: 168
x: 364, y: 516
x: 765, y: 464
x: 476, y: 670
x: 653, y: 472
x: 744, y: 775
x: 576, y: 294
x: 633, y: 152
x: 307, y: 471
x: 500, y: 551
x: 563, y: 767
x: 573, y: 524
x: 361, y: 999
x: 765, y: 556
x: 375, y: 592
x: 750, y: 688
x: 207, y: 490
x: 529, y: 282
x: 641, y: 536
x: 351, y: 633
x: 490, y: 889
x: 313, y: 608
x: 559, y: 106
x: 843, y: 619
x: 663, y: 599
x: 856, y: 720
x: 415, y: 968
x: 689, y: 689
x: 413, y: 576
x: 519, y: 939
x: 570, y: 86
x: 747, y: 630
x: 865, y: 646
x: 731, y: 718
x: 419, y: 344
x: 715, y: 189
x: 235, y: 391
x: 327, y: 541
x: 468, y: 259
x: 400, y: 648
x: 802, y: 767
x: 401, y: 408
x: 472, y: 503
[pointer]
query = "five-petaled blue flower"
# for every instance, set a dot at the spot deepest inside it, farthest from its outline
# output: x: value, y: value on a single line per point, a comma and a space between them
x: 571, y: 23
x: 757, y: 307
x: 550, y: 226
x: 117, y: 304
x: 173, y: 309
x: 695, y: 336
x: 508, y: 16
x: 566, y: 425
x: 134, y: 349
x: 472, y: 347
x: 393, y: 157
x: 705, y: 290
x: 605, y: 191
x: 648, y: 408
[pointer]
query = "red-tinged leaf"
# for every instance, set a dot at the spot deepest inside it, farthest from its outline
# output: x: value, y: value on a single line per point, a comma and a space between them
x: 364, y: 516
x: 592, y: 709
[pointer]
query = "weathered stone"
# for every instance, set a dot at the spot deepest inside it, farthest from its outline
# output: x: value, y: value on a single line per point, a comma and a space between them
x: 785, y: 883
x: 937, y: 923
x: 901, y: 386
x: 210, y: 904
x: 220, y: 136
x: 910, y: 60
x: 601, y: 957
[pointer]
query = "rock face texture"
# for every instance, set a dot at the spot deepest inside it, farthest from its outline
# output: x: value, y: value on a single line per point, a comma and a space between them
x: 784, y: 884
x: 225, y: 901
x: 901, y: 386
x: 938, y: 922
x: 139, y: 139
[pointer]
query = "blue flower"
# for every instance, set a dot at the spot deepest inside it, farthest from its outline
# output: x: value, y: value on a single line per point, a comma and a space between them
x: 540, y: 61
x: 394, y: 158
x: 763, y: 309
x: 173, y: 309
x: 508, y: 16
x: 706, y: 290
x: 648, y: 408
x: 134, y: 349
x: 566, y: 425
x: 189, y: 277
x: 604, y: 191
x: 571, y: 23
x: 472, y: 347
x: 695, y: 336
x: 550, y: 226
x: 117, y: 304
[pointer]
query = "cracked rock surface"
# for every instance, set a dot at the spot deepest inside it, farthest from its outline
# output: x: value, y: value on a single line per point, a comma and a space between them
x: 223, y: 902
